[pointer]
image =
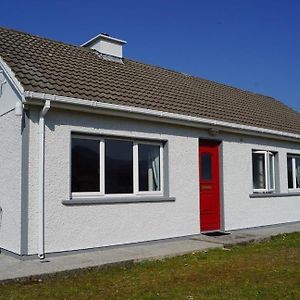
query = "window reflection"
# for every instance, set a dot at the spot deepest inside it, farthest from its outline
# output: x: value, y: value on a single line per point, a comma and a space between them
x: 206, y: 167
x: 297, y: 172
x: 85, y: 165
x: 290, y: 172
x: 149, y: 168
x: 118, y: 167
x: 258, y: 165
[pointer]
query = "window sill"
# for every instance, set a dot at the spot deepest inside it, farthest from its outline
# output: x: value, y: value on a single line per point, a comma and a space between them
x: 118, y: 200
x: 273, y: 195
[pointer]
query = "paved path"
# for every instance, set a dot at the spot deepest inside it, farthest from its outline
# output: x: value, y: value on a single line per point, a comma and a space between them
x: 12, y: 268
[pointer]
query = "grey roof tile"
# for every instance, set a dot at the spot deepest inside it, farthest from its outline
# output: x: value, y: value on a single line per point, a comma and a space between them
x: 43, y: 65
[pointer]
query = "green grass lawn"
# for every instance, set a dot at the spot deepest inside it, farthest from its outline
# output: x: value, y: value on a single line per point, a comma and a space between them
x: 270, y: 270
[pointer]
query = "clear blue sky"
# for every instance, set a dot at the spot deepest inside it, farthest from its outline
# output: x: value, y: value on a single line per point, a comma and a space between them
x: 249, y: 44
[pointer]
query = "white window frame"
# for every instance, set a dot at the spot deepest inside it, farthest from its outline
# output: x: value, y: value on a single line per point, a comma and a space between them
x: 136, y: 171
x: 293, y: 157
x: 267, y: 155
x: 136, y: 192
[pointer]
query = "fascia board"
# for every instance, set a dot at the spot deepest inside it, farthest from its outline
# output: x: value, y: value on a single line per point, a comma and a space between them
x: 155, y: 115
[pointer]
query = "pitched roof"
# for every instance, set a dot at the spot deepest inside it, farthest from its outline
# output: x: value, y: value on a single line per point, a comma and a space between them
x: 47, y: 66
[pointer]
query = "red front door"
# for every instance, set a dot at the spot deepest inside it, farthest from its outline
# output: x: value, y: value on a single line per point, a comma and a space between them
x: 209, y: 186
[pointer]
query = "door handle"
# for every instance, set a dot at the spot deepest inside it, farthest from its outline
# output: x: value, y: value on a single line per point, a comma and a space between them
x: 206, y: 186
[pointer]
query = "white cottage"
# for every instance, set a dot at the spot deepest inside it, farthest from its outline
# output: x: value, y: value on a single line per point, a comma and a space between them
x: 99, y: 150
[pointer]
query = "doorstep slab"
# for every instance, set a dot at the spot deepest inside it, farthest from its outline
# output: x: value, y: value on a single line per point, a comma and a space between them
x: 231, y: 239
x: 244, y: 236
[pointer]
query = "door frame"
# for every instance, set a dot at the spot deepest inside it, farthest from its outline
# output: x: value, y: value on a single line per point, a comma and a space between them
x: 221, y: 181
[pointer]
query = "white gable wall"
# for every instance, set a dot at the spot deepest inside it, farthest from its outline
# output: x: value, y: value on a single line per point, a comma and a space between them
x: 8, y: 95
x: 10, y: 170
x: 89, y: 226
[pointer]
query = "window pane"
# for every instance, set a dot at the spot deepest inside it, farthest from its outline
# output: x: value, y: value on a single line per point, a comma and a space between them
x: 297, y: 172
x: 206, y: 170
x: 290, y: 172
x: 271, y: 171
x: 149, y: 168
x: 85, y: 165
x: 258, y: 166
x: 118, y: 167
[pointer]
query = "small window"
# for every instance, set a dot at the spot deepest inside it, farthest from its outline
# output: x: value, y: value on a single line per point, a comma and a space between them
x: 206, y: 167
x: 109, y: 166
x: 149, y: 167
x: 293, y: 170
x: 290, y: 172
x: 263, y: 170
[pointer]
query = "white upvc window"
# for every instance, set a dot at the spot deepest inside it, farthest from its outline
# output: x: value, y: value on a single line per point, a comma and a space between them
x: 293, y: 170
x: 102, y: 166
x: 263, y: 169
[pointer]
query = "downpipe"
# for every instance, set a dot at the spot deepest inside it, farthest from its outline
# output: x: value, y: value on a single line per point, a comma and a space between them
x: 41, y: 241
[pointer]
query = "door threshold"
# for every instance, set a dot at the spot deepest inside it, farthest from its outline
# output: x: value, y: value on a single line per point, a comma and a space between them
x: 216, y: 233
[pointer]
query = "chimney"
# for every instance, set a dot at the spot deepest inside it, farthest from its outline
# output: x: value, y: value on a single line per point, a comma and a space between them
x: 109, y: 47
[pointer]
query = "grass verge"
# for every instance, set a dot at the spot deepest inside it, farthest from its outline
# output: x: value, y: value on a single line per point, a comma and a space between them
x: 270, y: 270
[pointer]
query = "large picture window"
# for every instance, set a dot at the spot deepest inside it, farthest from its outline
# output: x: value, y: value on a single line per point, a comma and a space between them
x: 293, y: 170
x: 263, y: 168
x: 113, y: 166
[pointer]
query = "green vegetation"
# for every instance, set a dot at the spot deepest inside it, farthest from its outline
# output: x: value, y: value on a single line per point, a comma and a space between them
x: 270, y: 270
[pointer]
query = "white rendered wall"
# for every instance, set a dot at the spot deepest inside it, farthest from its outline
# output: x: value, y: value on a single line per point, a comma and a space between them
x: 81, y: 227
x: 240, y: 210
x: 10, y: 171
